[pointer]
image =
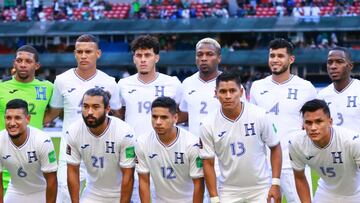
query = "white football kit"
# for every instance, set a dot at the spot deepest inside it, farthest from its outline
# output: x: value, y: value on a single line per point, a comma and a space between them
x: 171, y: 167
x: 103, y: 156
x: 337, y: 164
x: 26, y: 164
x: 138, y: 96
x: 69, y: 89
x: 345, y: 105
x: 283, y: 102
x: 240, y: 146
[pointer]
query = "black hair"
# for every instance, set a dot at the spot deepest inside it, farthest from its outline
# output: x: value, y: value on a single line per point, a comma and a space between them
x: 18, y: 104
x: 29, y: 49
x: 88, y: 38
x: 282, y: 43
x: 229, y: 76
x: 314, y: 105
x: 145, y: 42
x: 345, y: 50
x: 165, y: 102
x: 97, y: 91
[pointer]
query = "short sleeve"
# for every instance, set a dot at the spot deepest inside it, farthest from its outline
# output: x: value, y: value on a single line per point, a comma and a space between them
x: 73, y: 155
x: 122, y: 101
x: 295, y: 158
x: 127, y: 150
x: 196, y: 165
x: 56, y: 98
x: 140, y: 164
x: 207, y: 148
x: 178, y: 92
x: 252, y: 94
x: 183, y: 103
x: 115, y: 102
x: 47, y: 155
x: 269, y: 135
x: 355, y: 149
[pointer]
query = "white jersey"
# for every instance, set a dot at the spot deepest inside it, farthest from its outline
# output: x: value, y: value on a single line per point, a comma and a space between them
x: 171, y: 167
x: 28, y: 162
x: 69, y: 89
x: 103, y: 155
x: 345, y: 105
x: 198, y: 99
x: 138, y: 96
x: 283, y: 103
x: 337, y: 164
x: 240, y: 148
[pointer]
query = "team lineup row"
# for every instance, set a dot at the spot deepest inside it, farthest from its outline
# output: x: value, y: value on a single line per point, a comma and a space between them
x: 234, y: 133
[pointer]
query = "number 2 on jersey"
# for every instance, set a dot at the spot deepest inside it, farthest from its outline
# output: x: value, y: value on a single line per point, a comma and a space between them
x: 203, y: 108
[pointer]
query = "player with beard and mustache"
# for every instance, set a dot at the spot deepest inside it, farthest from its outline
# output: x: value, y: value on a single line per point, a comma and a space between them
x: 106, y: 146
x: 282, y: 94
x: 28, y: 153
x: 23, y: 84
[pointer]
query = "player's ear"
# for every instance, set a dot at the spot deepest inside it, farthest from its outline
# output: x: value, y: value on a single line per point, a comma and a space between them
x: 98, y: 53
x: 37, y: 65
x: 157, y: 58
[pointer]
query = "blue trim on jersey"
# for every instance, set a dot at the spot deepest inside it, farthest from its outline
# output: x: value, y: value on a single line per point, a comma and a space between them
x: 146, y: 83
x: 286, y: 81
x: 343, y: 90
x: 203, y: 81
x: 171, y: 144
x: 27, y: 138
x: 105, y: 131
x: 233, y: 121
x: 83, y: 78
x: 331, y: 140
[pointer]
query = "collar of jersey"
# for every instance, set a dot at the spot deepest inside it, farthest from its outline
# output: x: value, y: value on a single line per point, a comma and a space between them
x: 83, y: 78
x: 157, y: 75
x: 105, y: 131
x: 343, y: 90
x: 331, y: 138
x: 286, y: 81
x: 233, y: 121
x: 172, y: 143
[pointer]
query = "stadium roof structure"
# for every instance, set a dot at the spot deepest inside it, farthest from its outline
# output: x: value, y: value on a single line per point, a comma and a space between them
x: 206, y: 25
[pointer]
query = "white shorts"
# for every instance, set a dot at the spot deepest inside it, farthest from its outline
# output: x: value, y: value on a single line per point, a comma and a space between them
x: 91, y: 198
x: 288, y: 187
x: 254, y: 196
x: 322, y: 196
x: 63, y: 195
x: 13, y: 197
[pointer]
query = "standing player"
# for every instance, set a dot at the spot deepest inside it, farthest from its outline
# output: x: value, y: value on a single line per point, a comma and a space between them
x: 29, y: 155
x: 23, y: 84
x: 198, y: 97
x: 238, y: 134
x: 170, y: 155
x: 343, y: 95
x: 332, y: 151
x: 282, y: 94
x: 68, y: 86
x: 106, y: 145
x: 139, y: 90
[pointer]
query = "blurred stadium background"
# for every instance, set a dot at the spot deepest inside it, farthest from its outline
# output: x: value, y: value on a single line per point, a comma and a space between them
x: 243, y: 28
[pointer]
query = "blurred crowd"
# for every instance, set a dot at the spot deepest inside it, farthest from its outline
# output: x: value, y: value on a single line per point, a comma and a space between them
x: 61, y: 10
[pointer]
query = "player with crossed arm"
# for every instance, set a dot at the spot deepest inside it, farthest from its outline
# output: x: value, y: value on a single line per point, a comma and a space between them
x: 282, y: 94
x: 106, y: 145
x: 170, y: 155
x: 332, y: 151
x: 23, y: 84
x: 68, y: 86
x: 139, y: 91
x: 28, y: 154
x: 238, y: 134
x: 343, y: 95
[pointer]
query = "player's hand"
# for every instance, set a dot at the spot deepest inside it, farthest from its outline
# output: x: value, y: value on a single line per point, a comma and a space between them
x: 275, y: 194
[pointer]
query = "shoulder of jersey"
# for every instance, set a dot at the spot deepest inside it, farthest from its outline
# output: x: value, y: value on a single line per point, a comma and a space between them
x: 39, y: 134
x: 77, y: 125
x: 103, y: 74
x: 41, y: 80
x: 120, y: 123
x: 189, y: 137
x: 299, y: 138
x: 191, y: 78
x: 168, y: 77
x: 128, y: 79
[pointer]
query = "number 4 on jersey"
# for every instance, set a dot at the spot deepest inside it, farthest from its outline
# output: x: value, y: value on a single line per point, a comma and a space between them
x: 274, y: 109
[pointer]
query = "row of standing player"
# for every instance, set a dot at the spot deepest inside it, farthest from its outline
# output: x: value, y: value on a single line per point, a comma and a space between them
x: 148, y: 84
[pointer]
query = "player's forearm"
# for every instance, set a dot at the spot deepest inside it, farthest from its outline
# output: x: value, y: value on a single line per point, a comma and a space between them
x: 302, y: 187
x: 144, y: 190
x: 198, y: 190
x: 210, y: 177
x: 126, y: 188
x: 276, y: 161
x: 74, y: 186
x: 51, y: 192
x: 51, y: 114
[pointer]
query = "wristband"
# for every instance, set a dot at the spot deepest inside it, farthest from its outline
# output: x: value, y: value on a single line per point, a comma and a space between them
x: 275, y: 181
x: 214, y: 199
